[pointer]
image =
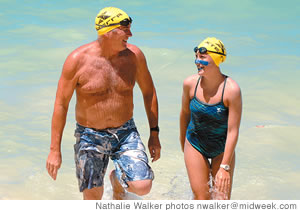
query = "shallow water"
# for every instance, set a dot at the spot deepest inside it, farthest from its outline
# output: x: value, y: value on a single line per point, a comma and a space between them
x: 268, y: 149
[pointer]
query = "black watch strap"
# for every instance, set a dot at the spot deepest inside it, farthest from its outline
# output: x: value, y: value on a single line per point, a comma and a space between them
x: 155, y: 129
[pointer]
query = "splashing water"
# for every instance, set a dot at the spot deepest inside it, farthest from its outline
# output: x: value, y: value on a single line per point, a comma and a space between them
x: 215, y: 194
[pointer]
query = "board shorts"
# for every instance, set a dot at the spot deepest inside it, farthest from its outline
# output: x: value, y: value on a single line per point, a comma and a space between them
x: 122, y: 145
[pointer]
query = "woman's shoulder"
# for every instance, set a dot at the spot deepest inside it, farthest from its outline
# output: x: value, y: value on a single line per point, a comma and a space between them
x: 190, y: 80
x: 232, y: 88
x: 232, y: 84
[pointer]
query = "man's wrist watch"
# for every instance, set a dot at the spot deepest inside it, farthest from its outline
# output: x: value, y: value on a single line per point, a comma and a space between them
x: 155, y: 129
x: 225, y: 167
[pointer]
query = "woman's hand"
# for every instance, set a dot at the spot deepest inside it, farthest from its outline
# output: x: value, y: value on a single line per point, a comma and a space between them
x: 222, y: 182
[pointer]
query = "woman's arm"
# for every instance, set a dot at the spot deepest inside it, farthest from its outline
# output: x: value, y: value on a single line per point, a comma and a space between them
x: 185, y: 111
x: 233, y: 100
x: 234, y: 119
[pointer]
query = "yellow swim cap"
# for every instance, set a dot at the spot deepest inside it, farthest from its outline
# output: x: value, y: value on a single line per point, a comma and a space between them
x: 109, y: 18
x: 215, y: 48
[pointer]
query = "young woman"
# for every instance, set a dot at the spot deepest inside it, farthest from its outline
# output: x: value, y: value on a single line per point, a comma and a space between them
x: 209, y: 123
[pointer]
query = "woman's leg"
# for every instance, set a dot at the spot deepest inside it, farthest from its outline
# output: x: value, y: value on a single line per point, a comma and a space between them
x: 198, y: 171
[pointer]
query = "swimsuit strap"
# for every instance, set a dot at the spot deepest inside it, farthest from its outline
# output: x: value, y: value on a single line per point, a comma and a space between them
x: 197, y: 86
x: 224, y: 87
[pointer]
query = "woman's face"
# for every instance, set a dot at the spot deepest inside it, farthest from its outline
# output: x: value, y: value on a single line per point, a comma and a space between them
x: 201, y: 65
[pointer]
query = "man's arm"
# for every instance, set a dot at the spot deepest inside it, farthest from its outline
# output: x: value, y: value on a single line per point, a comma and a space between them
x: 65, y: 89
x: 146, y: 85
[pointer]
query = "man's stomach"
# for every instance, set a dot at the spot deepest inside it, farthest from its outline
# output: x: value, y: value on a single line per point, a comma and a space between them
x: 104, y: 115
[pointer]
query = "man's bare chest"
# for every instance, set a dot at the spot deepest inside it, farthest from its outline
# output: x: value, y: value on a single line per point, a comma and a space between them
x: 98, y: 76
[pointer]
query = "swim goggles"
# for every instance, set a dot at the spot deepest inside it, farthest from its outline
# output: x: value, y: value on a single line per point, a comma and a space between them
x: 124, y: 22
x: 203, y: 50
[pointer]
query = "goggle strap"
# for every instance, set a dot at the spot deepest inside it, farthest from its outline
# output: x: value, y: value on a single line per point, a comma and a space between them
x: 114, y: 24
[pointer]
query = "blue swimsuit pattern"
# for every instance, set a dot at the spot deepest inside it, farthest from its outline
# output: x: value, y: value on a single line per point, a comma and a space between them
x: 207, y: 129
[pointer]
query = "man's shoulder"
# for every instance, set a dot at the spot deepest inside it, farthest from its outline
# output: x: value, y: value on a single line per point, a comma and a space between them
x: 137, y: 52
x: 133, y: 48
x: 76, y: 58
x: 82, y: 50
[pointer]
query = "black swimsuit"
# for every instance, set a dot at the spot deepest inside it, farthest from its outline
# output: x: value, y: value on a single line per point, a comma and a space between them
x: 207, y: 130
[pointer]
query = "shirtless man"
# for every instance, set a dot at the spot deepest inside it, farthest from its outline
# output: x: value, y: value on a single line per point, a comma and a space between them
x: 103, y: 73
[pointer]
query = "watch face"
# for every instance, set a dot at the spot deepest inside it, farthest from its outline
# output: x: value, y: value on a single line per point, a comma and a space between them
x: 226, y: 167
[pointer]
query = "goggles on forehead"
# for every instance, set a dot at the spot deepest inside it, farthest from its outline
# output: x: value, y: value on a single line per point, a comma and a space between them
x: 124, y: 22
x: 203, y: 50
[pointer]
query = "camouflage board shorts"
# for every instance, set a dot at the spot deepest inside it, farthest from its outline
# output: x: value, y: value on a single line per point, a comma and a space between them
x: 123, y: 145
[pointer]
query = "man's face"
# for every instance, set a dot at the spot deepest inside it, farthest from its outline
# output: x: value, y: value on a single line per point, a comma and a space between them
x: 120, y: 36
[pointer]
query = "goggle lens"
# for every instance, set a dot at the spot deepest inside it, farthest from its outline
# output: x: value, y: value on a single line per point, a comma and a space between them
x: 203, y: 50
x: 126, y: 22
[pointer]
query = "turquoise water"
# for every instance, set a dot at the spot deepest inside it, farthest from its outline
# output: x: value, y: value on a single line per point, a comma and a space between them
x: 263, y: 48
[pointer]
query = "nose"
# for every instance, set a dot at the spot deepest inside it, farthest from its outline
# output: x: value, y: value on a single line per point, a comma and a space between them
x: 128, y: 33
x: 202, y: 62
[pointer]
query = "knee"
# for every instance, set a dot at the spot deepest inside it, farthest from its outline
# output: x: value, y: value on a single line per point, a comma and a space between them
x: 140, y: 188
x: 143, y: 190
x: 93, y: 194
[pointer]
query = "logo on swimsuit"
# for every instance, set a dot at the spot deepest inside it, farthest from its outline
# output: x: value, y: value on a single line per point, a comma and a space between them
x: 219, y: 110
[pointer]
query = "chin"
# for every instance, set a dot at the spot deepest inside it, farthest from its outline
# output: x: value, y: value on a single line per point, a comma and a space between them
x: 201, y: 72
x: 123, y: 46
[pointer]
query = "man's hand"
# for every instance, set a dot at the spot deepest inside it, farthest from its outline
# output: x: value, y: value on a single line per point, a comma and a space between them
x: 53, y: 163
x: 154, y: 147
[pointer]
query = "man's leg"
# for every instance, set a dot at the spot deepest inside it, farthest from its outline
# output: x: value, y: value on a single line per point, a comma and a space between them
x: 132, y: 169
x: 118, y: 190
x: 139, y: 187
x: 90, y: 170
x: 95, y: 193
